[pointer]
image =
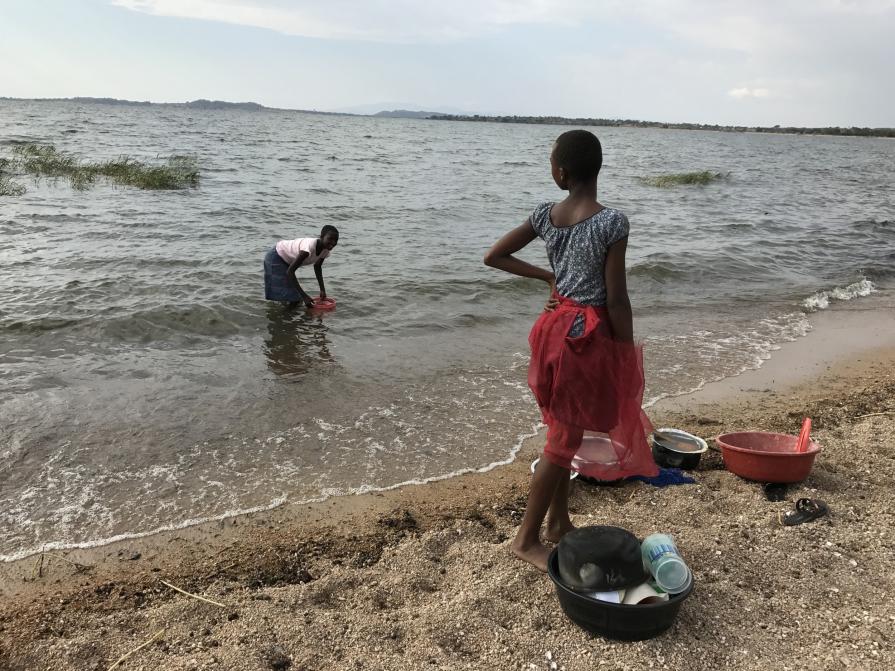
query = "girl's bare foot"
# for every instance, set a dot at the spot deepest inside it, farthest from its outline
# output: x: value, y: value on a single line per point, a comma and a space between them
x: 535, y: 554
x: 555, y: 532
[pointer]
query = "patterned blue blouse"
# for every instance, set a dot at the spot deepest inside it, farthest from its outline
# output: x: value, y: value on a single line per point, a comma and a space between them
x: 577, y: 253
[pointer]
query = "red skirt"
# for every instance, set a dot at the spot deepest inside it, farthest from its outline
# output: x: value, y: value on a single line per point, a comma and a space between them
x: 590, y: 391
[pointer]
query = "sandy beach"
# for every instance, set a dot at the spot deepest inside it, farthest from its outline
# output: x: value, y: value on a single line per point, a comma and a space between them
x: 422, y: 578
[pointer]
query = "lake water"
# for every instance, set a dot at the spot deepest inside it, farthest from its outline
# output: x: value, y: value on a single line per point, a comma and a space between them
x: 146, y: 384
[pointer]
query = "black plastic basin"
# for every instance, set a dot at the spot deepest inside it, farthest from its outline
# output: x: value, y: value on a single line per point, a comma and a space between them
x: 613, y: 620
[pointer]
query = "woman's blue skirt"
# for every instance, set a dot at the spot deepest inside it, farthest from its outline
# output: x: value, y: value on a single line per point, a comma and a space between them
x: 276, y: 282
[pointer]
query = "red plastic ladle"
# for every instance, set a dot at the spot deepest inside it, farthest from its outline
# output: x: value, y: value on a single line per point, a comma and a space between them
x: 804, y: 436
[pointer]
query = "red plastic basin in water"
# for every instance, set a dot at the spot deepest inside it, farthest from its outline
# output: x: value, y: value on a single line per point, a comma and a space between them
x: 766, y: 457
x: 324, y: 303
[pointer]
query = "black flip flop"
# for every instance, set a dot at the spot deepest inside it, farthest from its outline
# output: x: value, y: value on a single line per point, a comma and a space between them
x: 806, y: 510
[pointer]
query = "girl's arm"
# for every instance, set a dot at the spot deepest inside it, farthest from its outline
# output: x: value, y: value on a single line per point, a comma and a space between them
x: 500, y: 255
x: 290, y: 273
x: 318, y: 271
x: 617, y: 302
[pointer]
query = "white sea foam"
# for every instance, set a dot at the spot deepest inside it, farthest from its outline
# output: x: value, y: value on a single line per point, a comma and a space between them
x: 63, y: 545
x: 761, y: 342
x: 754, y: 344
x: 326, y: 493
x: 821, y: 300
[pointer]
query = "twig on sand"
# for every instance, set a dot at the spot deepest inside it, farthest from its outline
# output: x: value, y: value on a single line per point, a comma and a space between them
x: 79, y: 567
x: 195, y: 596
x: 42, y: 563
x: 876, y: 414
x: 37, y: 571
x: 154, y: 637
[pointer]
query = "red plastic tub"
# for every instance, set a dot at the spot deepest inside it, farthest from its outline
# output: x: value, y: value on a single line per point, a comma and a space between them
x: 766, y: 457
x: 324, y: 303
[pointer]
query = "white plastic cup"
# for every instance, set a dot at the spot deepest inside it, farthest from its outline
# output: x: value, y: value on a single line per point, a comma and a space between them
x: 662, y: 559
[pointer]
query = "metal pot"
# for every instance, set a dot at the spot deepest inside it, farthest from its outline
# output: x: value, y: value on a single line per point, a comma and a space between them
x: 684, y: 452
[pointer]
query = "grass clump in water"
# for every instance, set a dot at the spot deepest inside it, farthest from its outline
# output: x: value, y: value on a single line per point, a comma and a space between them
x: 7, y: 186
x: 178, y: 172
x: 45, y: 161
x: 684, y: 178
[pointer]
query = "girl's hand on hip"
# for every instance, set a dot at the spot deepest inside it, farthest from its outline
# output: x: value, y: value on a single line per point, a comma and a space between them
x: 553, y: 301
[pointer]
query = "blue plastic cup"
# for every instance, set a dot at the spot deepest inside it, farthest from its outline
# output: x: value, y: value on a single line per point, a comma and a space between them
x: 662, y: 559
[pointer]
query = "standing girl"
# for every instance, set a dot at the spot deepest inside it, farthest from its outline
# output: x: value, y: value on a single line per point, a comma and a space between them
x: 586, y: 371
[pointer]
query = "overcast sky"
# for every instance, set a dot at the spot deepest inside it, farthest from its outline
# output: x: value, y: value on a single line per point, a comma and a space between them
x: 792, y: 62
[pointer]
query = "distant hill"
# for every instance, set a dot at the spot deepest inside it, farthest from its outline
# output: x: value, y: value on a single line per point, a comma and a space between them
x: 105, y: 101
x: 200, y: 104
x: 407, y: 114
x: 380, y: 107
x: 222, y: 105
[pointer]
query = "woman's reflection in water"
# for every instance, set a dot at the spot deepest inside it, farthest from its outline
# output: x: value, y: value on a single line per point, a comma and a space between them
x: 296, y: 342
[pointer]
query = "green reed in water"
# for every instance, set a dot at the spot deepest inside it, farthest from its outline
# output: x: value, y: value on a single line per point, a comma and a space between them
x: 7, y: 186
x: 45, y: 161
x: 677, y: 179
x: 178, y: 172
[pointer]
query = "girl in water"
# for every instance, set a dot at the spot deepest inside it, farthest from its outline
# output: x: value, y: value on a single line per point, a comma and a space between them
x: 281, y: 262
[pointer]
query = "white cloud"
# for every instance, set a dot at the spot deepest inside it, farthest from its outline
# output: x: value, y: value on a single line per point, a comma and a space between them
x: 710, y: 24
x: 374, y: 20
x: 798, y: 62
x: 726, y: 25
x: 746, y: 92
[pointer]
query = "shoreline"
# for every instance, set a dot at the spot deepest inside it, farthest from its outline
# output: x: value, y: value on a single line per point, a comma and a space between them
x: 327, y: 585
x: 96, y: 546
x: 831, y: 341
x: 839, y: 336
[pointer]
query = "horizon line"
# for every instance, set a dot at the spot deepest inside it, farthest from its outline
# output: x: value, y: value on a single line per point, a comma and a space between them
x: 105, y: 100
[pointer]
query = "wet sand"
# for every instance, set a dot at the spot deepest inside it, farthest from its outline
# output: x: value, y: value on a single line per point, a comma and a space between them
x: 422, y: 578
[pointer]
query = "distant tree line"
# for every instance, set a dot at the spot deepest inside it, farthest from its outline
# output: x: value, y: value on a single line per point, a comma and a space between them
x: 635, y: 123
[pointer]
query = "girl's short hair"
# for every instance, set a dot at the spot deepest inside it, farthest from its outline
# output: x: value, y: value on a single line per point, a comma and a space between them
x: 332, y: 230
x: 580, y: 154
